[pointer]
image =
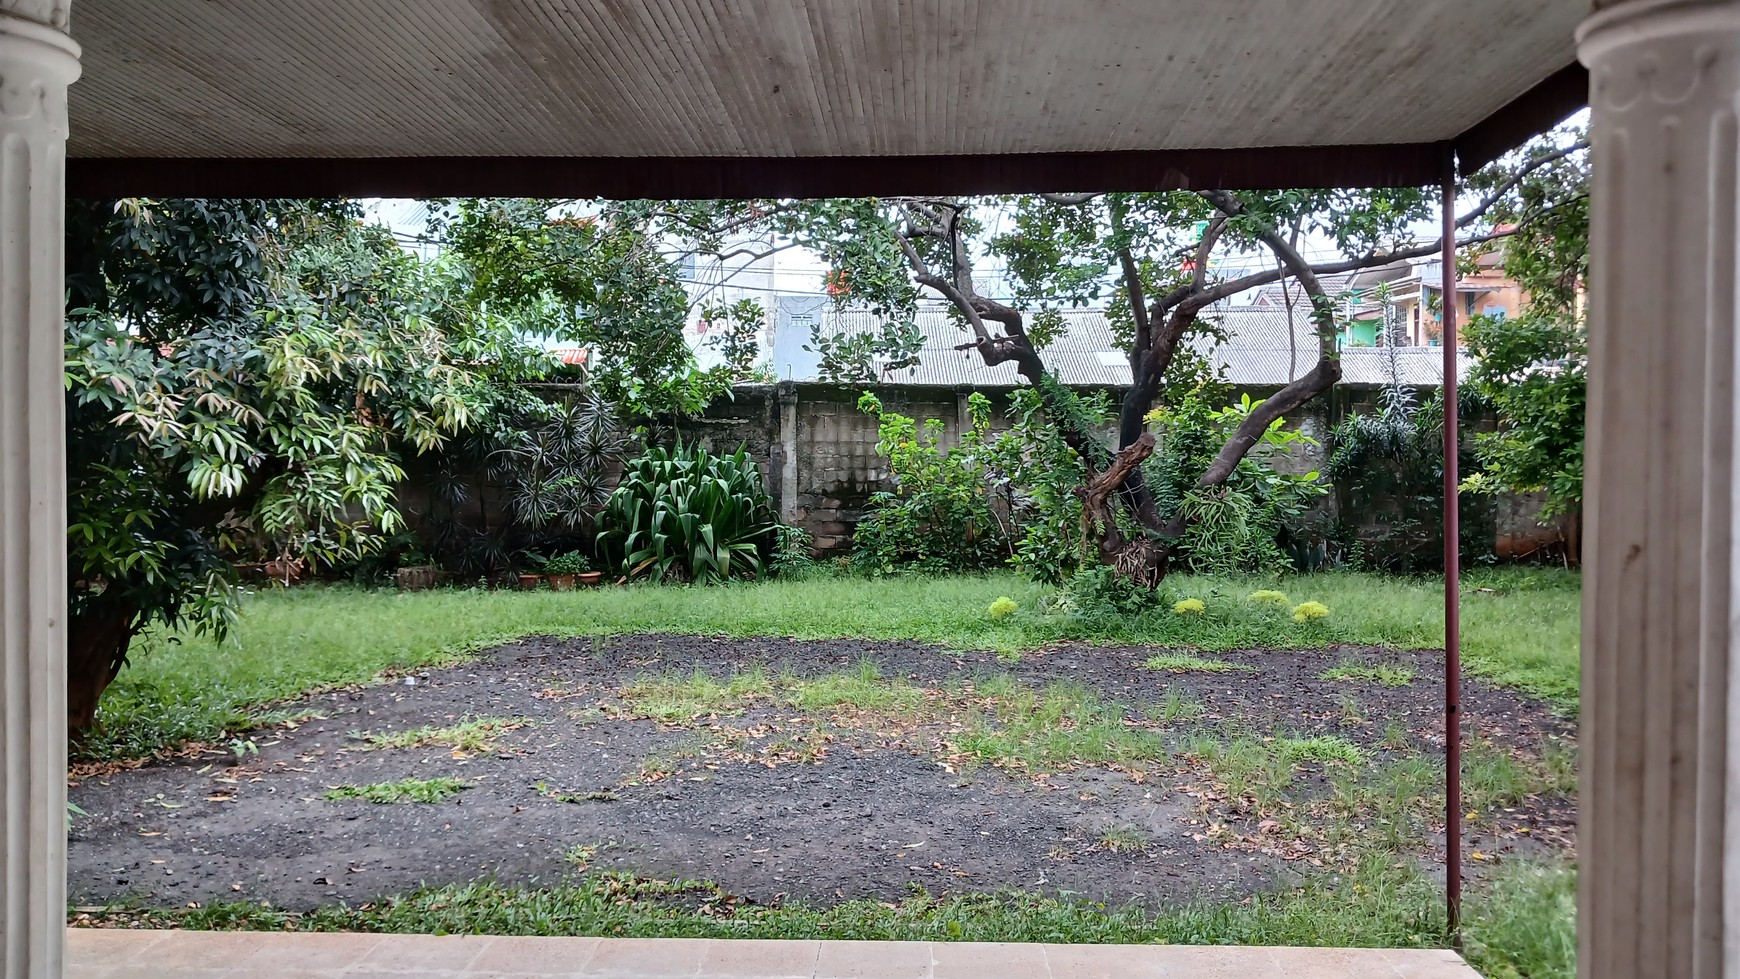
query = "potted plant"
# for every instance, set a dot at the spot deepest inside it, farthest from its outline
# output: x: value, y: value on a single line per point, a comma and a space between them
x: 416, y: 572
x: 533, y: 576
x: 562, y: 569
x: 589, y: 577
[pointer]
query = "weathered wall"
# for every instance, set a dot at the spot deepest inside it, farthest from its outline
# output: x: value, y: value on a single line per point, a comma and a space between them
x: 818, y: 455
x: 818, y: 451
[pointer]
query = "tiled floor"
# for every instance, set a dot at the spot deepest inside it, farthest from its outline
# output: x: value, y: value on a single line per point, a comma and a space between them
x: 96, y: 954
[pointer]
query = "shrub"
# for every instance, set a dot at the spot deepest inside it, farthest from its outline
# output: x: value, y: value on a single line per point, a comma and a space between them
x: 1005, y: 499
x: 1310, y: 611
x: 1189, y: 606
x: 685, y: 514
x: 793, y: 555
x: 1244, y: 525
x: 1097, y: 594
x: 572, y: 562
x: 1002, y: 608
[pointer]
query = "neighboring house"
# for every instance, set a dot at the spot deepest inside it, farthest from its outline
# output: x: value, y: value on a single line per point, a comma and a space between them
x: 1267, y: 346
x: 1415, y: 289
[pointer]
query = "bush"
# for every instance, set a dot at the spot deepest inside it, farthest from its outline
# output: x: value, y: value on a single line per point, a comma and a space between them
x: 1243, y: 526
x: 685, y: 514
x: 992, y: 501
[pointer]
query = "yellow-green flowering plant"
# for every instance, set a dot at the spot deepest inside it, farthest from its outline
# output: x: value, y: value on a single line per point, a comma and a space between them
x: 1310, y: 611
x: 1189, y: 606
x: 1268, y: 596
x: 1002, y: 608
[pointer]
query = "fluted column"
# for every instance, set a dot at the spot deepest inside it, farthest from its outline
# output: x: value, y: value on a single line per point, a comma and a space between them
x: 37, y: 63
x: 1660, y: 833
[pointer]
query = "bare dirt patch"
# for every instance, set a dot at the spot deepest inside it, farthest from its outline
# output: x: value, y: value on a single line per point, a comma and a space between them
x: 638, y: 754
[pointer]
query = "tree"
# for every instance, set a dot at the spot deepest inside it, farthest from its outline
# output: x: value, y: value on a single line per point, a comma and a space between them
x: 1534, y: 368
x: 599, y: 275
x: 243, y: 378
x: 1149, y: 257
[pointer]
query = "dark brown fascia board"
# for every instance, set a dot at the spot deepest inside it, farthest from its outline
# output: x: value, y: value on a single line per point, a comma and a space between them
x: 695, y: 178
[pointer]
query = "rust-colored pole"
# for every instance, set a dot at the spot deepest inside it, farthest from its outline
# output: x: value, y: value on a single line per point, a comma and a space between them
x: 1452, y: 582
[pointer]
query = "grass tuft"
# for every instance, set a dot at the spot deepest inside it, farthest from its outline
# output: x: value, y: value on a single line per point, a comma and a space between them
x: 404, y: 790
x: 472, y: 736
x: 1183, y: 663
x: 1383, y: 674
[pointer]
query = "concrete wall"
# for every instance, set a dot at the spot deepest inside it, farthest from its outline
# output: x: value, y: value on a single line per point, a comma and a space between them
x: 818, y: 451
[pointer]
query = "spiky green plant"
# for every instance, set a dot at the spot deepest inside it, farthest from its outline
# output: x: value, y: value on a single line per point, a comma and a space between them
x: 688, y: 515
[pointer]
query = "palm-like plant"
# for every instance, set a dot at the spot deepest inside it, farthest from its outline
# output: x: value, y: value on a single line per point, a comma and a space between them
x: 688, y: 515
x: 556, y: 470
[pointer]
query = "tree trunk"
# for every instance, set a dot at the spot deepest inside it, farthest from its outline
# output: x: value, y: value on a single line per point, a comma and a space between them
x: 96, y: 646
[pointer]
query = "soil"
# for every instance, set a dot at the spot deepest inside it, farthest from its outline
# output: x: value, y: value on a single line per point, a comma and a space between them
x: 770, y: 804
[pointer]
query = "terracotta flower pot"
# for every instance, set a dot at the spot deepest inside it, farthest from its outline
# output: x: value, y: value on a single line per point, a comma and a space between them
x: 591, y: 578
x: 418, y: 578
x: 530, y: 581
x: 562, y: 582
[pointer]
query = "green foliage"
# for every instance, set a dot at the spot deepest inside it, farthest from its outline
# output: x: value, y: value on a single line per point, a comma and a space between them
x: 794, y: 554
x: 734, y: 330
x: 861, y: 358
x: 1185, y: 663
x: 473, y: 735
x: 425, y: 790
x: 243, y: 378
x: 569, y: 562
x: 1098, y: 597
x: 1378, y: 905
x: 1383, y: 674
x: 685, y: 514
x: 1534, y: 371
x: 593, y: 275
x: 1243, y: 525
x: 941, y: 515
x: 1523, y: 923
x: 1388, y: 467
x: 553, y: 461
x: 1003, y: 499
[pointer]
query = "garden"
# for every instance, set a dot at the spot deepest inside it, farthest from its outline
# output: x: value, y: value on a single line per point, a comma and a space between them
x: 384, y: 619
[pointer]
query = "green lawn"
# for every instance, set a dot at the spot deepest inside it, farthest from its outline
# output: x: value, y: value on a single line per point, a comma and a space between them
x: 1520, y: 628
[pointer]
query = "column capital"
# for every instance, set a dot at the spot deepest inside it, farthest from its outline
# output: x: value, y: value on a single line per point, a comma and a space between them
x: 1632, y: 21
x: 49, y: 13
x: 37, y: 63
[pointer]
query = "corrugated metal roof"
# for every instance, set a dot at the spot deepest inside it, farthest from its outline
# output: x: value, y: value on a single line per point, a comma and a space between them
x: 1264, y: 348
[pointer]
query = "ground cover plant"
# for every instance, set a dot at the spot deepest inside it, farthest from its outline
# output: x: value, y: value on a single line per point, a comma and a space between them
x: 1256, y: 780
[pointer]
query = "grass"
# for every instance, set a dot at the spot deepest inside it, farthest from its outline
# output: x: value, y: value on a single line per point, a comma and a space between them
x: 1518, y: 926
x: 1521, y: 630
x: 1123, y: 839
x: 472, y: 736
x: 672, y: 699
x: 1058, y: 727
x: 1493, y: 776
x: 1185, y: 663
x: 864, y: 689
x: 404, y: 790
x: 1383, y: 674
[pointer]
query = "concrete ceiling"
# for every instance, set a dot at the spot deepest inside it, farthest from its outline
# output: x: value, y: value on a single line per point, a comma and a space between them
x: 785, y: 80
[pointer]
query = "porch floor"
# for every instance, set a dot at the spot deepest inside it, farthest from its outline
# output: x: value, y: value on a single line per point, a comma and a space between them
x: 117, y: 954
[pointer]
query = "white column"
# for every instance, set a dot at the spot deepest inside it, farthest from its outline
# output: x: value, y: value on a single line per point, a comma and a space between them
x: 37, y: 63
x: 1659, y: 839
